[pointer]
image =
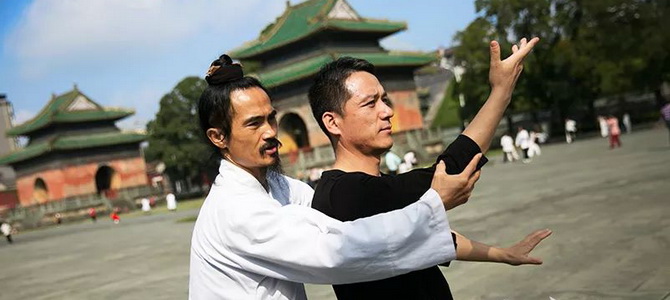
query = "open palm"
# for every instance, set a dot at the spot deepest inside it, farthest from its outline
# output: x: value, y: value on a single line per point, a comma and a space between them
x: 519, y: 254
x: 504, y: 73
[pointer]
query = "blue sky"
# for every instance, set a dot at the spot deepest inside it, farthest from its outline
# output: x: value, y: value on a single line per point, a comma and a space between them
x: 130, y: 53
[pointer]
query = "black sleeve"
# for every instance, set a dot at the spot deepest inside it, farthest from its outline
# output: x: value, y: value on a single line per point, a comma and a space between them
x: 456, y: 157
x: 459, y: 153
x: 453, y: 237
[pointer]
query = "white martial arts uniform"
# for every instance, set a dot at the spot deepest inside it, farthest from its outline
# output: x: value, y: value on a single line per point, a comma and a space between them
x: 251, y: 244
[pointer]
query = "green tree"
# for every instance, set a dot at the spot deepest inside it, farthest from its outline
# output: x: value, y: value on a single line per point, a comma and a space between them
x: 175, y: 137
x: 588, y: 49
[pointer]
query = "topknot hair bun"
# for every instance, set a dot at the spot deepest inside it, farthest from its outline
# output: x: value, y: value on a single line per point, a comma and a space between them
x: 223, y: 70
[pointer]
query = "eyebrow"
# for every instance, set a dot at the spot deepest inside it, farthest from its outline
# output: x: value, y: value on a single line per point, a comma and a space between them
x: 259, y: 118
x: 366, y: 98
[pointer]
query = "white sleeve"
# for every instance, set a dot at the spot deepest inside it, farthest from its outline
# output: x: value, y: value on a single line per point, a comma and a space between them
x: 300, y: 244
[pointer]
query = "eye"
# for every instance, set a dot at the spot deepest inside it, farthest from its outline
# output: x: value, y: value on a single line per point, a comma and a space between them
x: 371, y: 103
x: 387, y: 101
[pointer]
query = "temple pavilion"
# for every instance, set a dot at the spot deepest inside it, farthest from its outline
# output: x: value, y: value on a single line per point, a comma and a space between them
x: 74, y: 148
x: 308, y: 35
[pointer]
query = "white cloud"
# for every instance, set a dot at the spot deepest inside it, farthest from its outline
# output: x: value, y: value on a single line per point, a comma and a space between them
x: 53, y: 34
x: 22, y: 116
x: 144, y: 113
x: 395, y: 43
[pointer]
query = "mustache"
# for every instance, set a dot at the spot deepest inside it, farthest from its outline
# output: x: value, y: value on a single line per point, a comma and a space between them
x: 269, y: 144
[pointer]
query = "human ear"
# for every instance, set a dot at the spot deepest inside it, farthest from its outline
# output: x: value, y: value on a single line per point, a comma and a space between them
x: 217, y: 138
x: 332, y: 123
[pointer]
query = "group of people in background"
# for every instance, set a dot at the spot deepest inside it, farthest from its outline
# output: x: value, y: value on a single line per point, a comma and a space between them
x: 527, y: 141
x: 397, y: 165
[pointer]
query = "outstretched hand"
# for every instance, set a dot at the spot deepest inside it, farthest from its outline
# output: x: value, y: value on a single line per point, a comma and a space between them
x: 504, y: 73
x: 519, y: 253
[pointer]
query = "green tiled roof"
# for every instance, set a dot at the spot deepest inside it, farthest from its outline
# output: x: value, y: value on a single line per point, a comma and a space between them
x: 72, y: 142
x: 312, y: 65
x: 56, y: 112
x: 305, y: 19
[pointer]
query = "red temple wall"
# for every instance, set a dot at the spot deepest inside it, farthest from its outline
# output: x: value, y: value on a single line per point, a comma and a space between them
x: 76, y: 180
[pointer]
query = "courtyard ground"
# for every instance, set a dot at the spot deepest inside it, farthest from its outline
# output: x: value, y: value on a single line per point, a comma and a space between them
x: 608, y: 210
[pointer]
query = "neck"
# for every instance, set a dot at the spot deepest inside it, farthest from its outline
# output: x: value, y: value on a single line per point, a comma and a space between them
x: 257, y: 172
x: 349, y: 159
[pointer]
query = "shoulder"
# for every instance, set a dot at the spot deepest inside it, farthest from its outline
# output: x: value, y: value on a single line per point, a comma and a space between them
x: 301, y: 193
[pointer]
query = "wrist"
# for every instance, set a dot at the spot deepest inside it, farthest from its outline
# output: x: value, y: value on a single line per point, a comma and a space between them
x: 502, y: 92
x: 501, y: 255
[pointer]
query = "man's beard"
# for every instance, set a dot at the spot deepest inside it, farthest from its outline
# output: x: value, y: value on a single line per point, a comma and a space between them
x: 270, y: 143
x: 276, y: 166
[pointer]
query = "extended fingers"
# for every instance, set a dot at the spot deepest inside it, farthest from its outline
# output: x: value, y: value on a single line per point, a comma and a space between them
x: 536, y: 237
x: 523, y: 42
x: 474, y: 178
x: 495, y: 52
x: 470, y: 168
x: 525, y: 47
x: 532, y: 261
x: 440, y: 168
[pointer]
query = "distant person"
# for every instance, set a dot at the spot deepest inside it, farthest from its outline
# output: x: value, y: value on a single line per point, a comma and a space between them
x: 614, y: 130
x: 507, y: 144
x: 602, y: 122
x: 393, y: 161
x: 146, y: 205
x: 541, y: 136
x: 171, y: 202
x: 115, y: 216
x: 522, y: 141
x: 665, y: 114
x: 409, y: 161
x: 92, y: 214
x: 6, y: 231
x: 533, y: 145
x: 59, y: 218
x: 570, y: 130
x: 627, y: 124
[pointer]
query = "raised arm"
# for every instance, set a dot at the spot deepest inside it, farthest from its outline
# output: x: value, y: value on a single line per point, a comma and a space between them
x: 503, y: 75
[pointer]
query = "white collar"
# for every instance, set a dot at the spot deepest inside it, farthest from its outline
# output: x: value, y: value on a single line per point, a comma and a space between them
x: 230, y: 171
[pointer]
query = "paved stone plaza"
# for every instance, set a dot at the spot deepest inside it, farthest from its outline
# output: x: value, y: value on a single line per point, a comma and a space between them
x: 608, y: 210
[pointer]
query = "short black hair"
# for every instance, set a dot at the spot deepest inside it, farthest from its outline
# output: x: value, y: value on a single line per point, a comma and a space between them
x: 329, y: 93
x: 214, y: 107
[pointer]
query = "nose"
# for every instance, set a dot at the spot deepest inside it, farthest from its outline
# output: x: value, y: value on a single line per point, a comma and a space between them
x: 387, y: 111
x: 270, y: 131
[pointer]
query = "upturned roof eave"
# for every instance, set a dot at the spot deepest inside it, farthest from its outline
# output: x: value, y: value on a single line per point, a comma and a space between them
x: 54, y: 145
x: 29, y: 127
x: 239, y: 53
x: 423, y: 59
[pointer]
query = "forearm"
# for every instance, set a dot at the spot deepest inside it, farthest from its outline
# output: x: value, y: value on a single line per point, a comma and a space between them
x: 469, y: 250
x: 483, y: 126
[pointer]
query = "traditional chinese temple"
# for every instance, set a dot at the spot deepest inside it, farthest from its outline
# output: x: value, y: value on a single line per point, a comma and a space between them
x: 290, y: 51
x: 74, y: 148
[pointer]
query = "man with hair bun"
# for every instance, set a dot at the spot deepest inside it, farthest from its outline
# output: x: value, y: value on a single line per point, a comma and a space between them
x: 256, y: 236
